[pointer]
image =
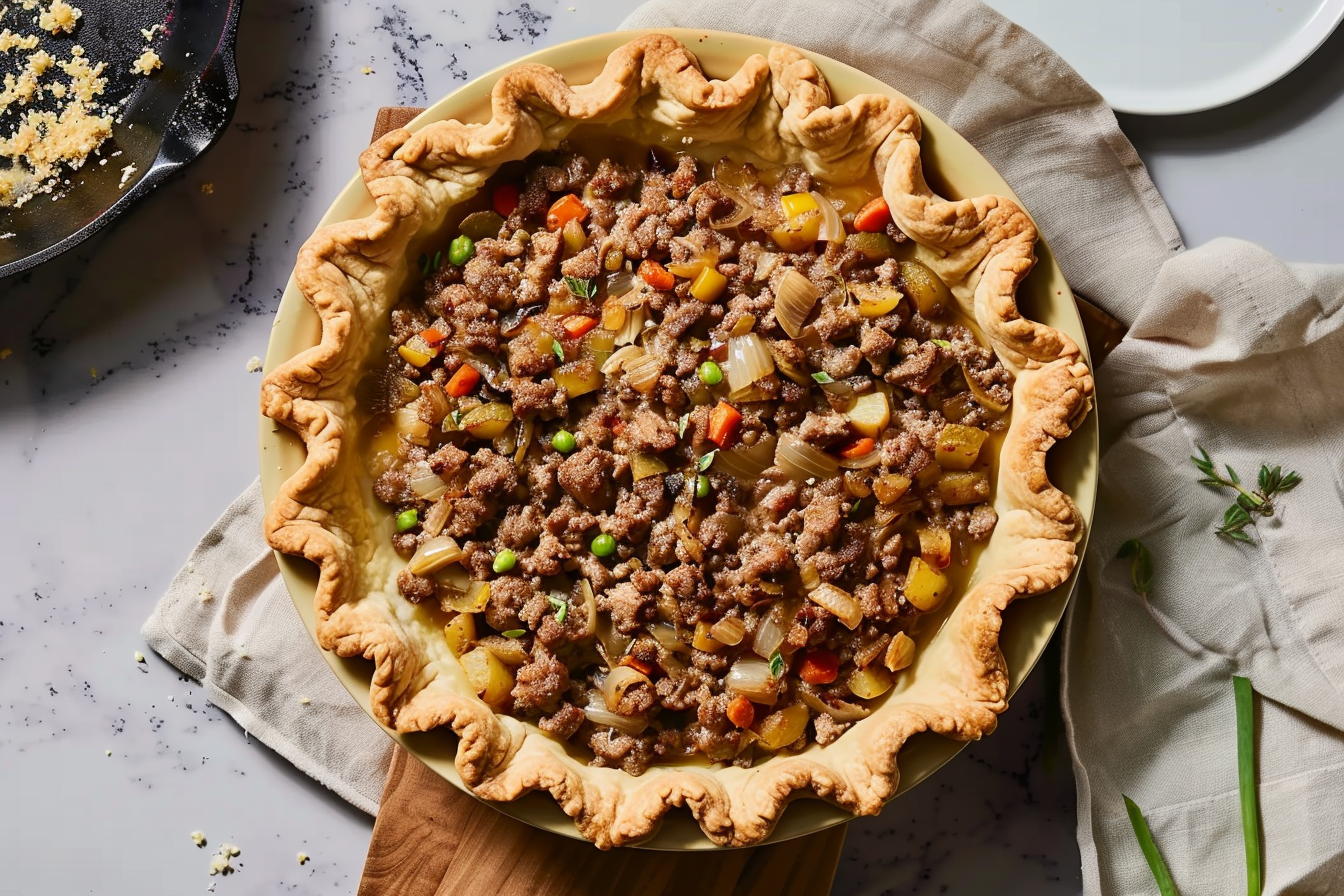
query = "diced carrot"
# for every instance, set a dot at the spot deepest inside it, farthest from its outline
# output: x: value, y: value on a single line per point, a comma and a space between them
x: 657, y: 276
x: 463, y: 381
x: 578, y: 324
x: 858, y: 448
x: 636, y: 664
x: 433, y: 335
x: 819, y: 667
x: 873, y: 217
x: 740, y: 712
x: 505, y: 199
x: 724, y: 421
x: 565, y: 209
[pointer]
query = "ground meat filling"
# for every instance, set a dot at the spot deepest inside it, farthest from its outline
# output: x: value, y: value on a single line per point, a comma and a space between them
x: 653, y: 521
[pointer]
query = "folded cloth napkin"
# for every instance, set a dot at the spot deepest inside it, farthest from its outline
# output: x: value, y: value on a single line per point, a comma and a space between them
x: 1043, y: 128
x: 1241, y: 354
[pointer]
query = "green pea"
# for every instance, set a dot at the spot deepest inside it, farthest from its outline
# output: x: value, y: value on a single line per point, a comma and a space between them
x: 461, y: 249
x: 702, y: 486
x: 710, y: 373
x: 604, y: 545
x: 407, y: 519
x: 504, y: 561
x: 563, y: 441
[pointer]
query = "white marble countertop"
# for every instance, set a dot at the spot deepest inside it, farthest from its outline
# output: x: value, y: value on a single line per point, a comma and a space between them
x: 128, y: 421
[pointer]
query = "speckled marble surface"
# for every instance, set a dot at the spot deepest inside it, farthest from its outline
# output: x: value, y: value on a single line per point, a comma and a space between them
x: 127, y: 422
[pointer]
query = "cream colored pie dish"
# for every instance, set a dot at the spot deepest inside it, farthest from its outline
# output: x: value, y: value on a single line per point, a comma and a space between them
x: 813, y: 665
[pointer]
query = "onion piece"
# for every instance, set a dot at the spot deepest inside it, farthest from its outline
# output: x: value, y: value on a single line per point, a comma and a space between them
x: 666, y: 635
x: 795, y: 298
x: 598, y: 714
x: 633, y: 326
x: 434, y: 402
x: 437, y: 517
x: 751, y: 678
x: 525, y: 439
x: 729, y: 630
x: 426, y: 483
x: 802, y: 461
x: 770, y: 633
x: 871, y: 459
x: 832, y: 228
x: 589, y: 605
x: 434, y: 554
x: 839, y: 602
x: 619, y: 680
x: 766, y: 263
x: 620, y: 283
x: 844, y: 712
x: 642, y: 373
x: 406, y: 421
x: 745, y: 209
x: 749, y: 360
x: 808, y: 572
x: 981, y: 395
x: 494, y: 370
x: 747, y: 463
x: 619, y: 358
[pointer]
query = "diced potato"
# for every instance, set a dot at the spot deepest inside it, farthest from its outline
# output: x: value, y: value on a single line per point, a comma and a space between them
x: 935, y: 546
x: 708, y: 285
x: 876, y: 300
x: 870, y: 414
x: 802, y: 225
x: 510, y: 651
x: 925, y: 288
x: 929, y: 475
x: 703, y: 640
x: 783, y: 727
x: 869, y: 682
x: 417, y: 351
x: 460, y: 632
x: 488, y: 421
x: 959, y: 446
x: 890, y: 487
x: 900, y: 652
x: 578, y: 377
x: 964, y: 487
x: 925, y: 587
x: 644, y: 465
x: 488, y: 675
x: 872, y: 246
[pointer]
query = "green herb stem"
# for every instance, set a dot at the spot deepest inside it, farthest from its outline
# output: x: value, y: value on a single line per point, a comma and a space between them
x: 1165, y: 885
x: 1250, y: 810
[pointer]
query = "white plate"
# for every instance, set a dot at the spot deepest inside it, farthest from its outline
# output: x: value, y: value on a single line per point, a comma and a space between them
x: 1163, y: 57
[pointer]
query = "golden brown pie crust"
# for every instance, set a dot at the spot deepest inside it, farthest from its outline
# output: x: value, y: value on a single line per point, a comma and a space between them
x: 352, y: 274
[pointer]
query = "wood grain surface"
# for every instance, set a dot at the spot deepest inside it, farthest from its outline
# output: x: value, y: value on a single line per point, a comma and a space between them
x: 431, y: 839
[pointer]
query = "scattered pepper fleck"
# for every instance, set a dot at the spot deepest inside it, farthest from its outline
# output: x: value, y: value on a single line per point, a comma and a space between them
x: 303, y: 858
x: 139, y: 657
x: 198, y: 837
x: 366, y: 71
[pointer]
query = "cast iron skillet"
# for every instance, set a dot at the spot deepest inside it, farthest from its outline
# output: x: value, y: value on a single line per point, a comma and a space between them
x: 170, y: 118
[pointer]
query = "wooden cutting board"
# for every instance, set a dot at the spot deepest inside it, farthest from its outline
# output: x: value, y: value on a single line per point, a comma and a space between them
x: 431, y: 838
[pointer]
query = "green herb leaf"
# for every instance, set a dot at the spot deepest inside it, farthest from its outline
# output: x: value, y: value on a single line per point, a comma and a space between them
x: 942, y: 343
x: 514, y: 633
x: 856, y: 508
x: 584, y: 289
x: 456, y: 417
x: 1140, y: 565
x: 823, y: 377
x: 561, y: 607
x: 776, y: 665
x: 1165, y: 885
x: 424, y: 265
x: 1271, y: 481
x: 681, y: 425
x: 703, y: 463
x: 437, y: 257
x: 1250, y: 811
x: 558, y: 350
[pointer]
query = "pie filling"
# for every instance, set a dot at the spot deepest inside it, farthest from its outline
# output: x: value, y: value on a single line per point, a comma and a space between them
x: 681, y: 450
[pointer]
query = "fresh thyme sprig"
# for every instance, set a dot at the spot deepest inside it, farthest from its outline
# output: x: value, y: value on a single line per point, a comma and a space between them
x: 1272, y: 481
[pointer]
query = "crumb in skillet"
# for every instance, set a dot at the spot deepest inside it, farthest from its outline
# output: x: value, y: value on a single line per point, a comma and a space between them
x: 59, y: 17
x: 146, y: 63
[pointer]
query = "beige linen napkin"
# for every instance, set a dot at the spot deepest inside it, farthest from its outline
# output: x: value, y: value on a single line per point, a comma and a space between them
x: 1045, y: 130
x: 1242, y: 354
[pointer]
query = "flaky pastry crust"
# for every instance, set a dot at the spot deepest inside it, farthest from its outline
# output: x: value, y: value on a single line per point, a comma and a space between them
x: 352, y: 273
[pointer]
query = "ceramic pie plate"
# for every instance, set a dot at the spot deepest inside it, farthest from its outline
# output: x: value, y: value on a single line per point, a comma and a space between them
x: 955, y: 170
